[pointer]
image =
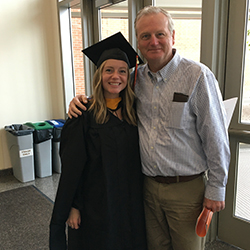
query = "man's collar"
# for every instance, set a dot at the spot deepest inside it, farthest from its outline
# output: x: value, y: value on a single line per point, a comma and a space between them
x: 164, y: 73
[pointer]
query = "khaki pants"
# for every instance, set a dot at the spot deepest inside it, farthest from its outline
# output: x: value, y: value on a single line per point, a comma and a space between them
x: 171, y: 212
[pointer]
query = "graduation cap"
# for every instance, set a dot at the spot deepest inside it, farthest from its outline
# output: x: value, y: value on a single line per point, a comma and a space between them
x: 113, y: 47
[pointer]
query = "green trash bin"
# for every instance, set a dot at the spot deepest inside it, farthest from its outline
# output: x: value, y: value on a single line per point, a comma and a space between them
x: 42, y: 136
x: 20, y: 144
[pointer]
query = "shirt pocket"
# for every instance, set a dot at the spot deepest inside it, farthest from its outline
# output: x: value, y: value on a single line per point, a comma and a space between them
x: 178, y: 117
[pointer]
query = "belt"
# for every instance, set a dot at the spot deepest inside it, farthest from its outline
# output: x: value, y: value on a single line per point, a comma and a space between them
x: 175, y: 179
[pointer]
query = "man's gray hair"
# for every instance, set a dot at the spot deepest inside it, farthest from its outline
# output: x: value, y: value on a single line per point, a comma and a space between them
x: 148, y: 10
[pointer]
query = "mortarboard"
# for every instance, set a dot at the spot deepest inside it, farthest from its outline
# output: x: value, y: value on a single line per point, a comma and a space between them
x: 113, y: 47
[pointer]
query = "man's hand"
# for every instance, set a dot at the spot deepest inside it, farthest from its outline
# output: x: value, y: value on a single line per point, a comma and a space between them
x: 214, y: 206
x: 76, y: 102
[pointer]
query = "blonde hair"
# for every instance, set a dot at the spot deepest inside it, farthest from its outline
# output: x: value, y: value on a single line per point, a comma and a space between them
x: 148, y: 10
x: 98, y: 102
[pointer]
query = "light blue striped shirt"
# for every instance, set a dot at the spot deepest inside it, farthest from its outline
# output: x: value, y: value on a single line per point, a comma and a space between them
x: 183, y: 138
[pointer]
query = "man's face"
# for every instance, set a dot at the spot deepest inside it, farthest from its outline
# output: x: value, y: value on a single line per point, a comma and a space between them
x: 155, y: 40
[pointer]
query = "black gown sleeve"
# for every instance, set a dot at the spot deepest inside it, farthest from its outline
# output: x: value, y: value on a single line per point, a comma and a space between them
x: 78, y: 198
x: 73, y: 155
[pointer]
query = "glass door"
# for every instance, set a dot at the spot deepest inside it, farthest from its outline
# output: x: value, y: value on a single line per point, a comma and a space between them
x: 234, y: 221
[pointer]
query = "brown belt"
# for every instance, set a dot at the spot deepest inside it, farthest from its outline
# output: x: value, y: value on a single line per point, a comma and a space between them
x: 175, y: 179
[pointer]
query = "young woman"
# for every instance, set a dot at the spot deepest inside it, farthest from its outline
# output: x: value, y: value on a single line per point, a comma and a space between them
x: 100, y: 189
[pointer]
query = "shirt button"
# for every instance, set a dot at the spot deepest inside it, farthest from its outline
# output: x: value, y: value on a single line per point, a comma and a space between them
x: 154, y: 166
x: 154, y: 127
x: 154, y: 107
x: 152, y: 147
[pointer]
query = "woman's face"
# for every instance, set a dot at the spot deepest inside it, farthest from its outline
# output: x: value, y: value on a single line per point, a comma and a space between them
x: 114, y: 77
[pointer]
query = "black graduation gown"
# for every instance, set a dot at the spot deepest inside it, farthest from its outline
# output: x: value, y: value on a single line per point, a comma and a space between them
x: 101, y: 176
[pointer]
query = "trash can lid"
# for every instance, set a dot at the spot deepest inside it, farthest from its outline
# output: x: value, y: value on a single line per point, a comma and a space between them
x: 56, y: 123
x: 39, y: 125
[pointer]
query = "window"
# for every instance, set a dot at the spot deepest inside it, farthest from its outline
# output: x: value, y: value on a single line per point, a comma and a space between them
x: 245, y: 109
x: 71, y: 46
x: 243, y: 171
x: 187, y: 20
x: 114, y: 19
x: 243, y: 184
x: 76, y: 27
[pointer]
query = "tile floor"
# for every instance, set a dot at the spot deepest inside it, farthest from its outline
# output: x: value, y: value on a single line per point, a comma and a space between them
x: 48, y: 186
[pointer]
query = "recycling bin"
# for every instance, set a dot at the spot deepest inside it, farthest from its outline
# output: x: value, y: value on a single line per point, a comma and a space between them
x: 57, y: 129
x: 20, y: 144
x: 42, y: 136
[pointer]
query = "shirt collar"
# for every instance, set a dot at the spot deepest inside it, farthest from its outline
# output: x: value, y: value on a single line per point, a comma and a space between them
x: 165, y: 73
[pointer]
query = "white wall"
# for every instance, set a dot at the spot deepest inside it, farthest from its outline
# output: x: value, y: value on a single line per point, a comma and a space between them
x: 30, y: 66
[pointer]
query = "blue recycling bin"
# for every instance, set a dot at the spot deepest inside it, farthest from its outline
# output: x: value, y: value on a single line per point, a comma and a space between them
x: 57, y: 129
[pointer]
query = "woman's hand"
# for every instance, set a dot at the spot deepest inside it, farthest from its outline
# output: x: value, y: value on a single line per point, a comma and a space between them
x: 74, y: 219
